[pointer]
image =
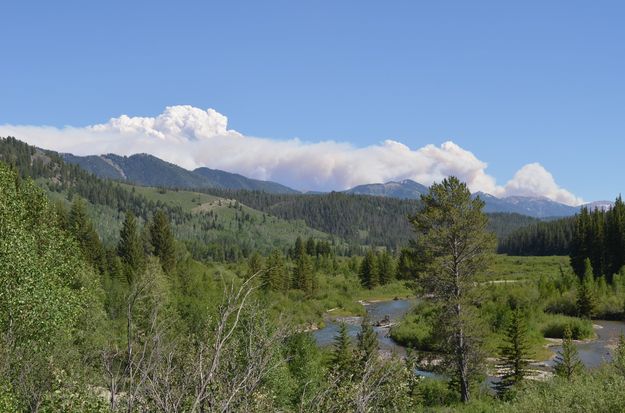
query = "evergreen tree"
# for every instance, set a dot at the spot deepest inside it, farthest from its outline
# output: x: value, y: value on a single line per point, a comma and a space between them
x: 130, y: 248
x: 80, y: 226
x: 367, y: 341
x: 303, y: 275
x: 343, y: 354
x: 406, y: 265
x: 568, y: 364
x: 311, y: 247
x: 386, y: 267
x: 585, y: 294
x: 580, y: 245
x: 368, y: 272
x: 299, y: 248
x: 275, y: 277
x: 615, y: 237
x: 514, y: 354
x: 454, y: 246
x: 162, y: 241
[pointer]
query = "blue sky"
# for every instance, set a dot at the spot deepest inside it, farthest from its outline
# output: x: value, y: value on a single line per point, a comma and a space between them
x: 512, y: 83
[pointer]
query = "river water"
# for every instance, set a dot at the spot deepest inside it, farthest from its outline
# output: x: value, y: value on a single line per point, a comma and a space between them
x: 592, y: 353
x: 395, y: 310
x: 596, y: 352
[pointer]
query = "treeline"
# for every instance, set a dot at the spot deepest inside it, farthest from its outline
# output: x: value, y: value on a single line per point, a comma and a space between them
x: 357, y: 219
x: 600, y: 237
x: 35, y: 163
x: 540, y: 238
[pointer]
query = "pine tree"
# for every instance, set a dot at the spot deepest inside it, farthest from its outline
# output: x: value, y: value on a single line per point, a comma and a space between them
x: 568, y: 364
x: 405, y: 265
x: 298, y: 249
x: 343, y: 355
x: 368, y: 273
x: 585, y: 294
x: 386, y: 267
x: 275, y: 277
x: 130, y: 248
x: 454, y: 246
x: 162, y: 241
x: 303, y: 275
x: 367, y: 340
x: 514, y: 354
x: 80, y: 226
x: 311, y: 247
x: 580, y: 249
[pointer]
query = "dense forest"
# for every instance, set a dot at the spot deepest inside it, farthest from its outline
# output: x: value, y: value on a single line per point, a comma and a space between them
x: 540, y: 238
x: 600, y: 237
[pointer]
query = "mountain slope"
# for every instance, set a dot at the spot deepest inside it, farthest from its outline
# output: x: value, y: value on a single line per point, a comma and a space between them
x: 229, y: 180
x: 406, y: 189
x: 535, y: 207
x: 148, y: 170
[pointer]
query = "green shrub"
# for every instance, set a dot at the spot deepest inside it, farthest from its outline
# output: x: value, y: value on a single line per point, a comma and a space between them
x: 416, y: 330
x: 554, y: 326
x: 434, y: 392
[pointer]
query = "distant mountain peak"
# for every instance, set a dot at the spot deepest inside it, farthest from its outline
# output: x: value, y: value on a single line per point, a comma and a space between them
x: 148, y: 170
x: 533, y: 206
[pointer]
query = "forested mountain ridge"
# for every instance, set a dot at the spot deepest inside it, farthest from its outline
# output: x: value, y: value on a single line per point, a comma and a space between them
x: 406, y: 189
x: 215, y: 228
x: 148, y: 170
x: 361, y: 220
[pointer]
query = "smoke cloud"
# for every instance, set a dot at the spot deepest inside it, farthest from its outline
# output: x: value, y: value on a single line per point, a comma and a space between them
x: 193, y: 137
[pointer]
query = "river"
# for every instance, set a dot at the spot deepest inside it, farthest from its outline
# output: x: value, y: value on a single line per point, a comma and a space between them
x: 395, y: 310
x: 592, y: 353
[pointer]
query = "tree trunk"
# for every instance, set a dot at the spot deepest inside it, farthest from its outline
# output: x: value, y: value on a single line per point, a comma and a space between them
x: 462, y: 361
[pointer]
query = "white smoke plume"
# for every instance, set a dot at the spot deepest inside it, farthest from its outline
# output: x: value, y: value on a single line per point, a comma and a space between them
x: 193, y: 137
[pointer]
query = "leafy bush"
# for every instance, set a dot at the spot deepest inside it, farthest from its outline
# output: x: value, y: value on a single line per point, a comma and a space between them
x: 416, y: 330
x: 554, y: 326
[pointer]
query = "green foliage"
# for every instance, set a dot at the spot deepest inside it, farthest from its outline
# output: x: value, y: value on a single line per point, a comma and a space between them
x: 130, y: 248
x: 305, y: 365
x: 276, y: 276
x: 254, y: 264
x: 454, y: 246
x: 540, y: 238
x: 303, y: 274
x: 367, y: 341
x: 514, y: 354
x: 417, y: 330
x: 343, y: 353
x: 369, y: 272
x: 585, y: 295
x: 618, y: 358
x: 46, y: 291
x: 162, y: 241
x: 567, y: 361
x: 600, y: 237
x: 80, y: 226
x: 555, y: 326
